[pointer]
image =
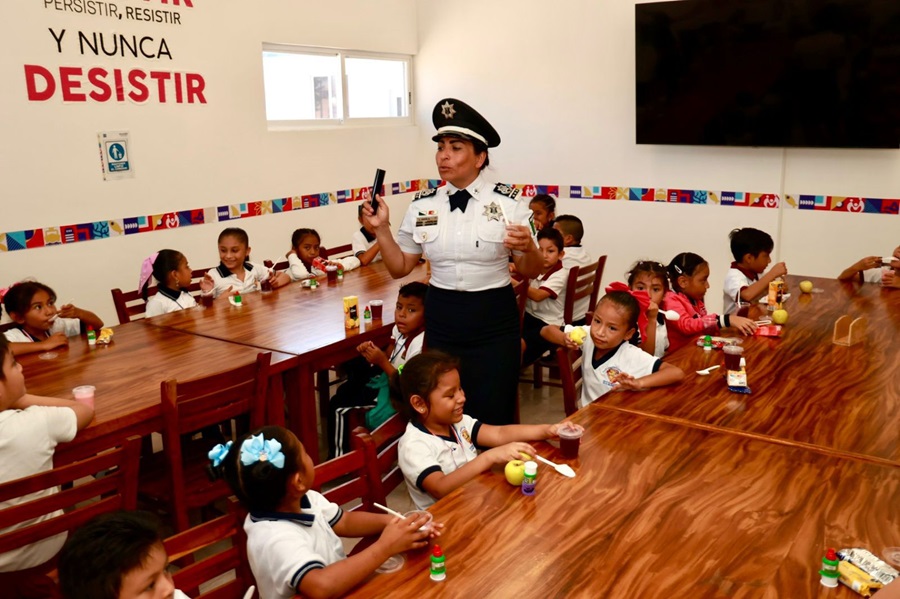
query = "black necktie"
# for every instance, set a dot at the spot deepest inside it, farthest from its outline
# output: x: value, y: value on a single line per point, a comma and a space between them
x: 459, y: 200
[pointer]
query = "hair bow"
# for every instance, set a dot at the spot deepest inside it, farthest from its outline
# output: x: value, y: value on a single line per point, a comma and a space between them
x: 147, y: 269
x: 5, y: 290
x: 400, y: 369
x: 257, y: 449
x: 217, y: 454
x: 643, y: 300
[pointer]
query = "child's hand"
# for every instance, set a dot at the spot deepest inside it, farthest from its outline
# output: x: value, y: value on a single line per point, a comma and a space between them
x: 711, y: 321
x: 626, y: 382
x: 868, y: 263
x: 279, y: 279
x: 68, y: 311
x: 207, y: 284
x: 553, y: 429
x: 779, y: 270
x: 744, y: 325
x: 652, y: 311
x: 56, y: 340
x: 510, y: 451
x: 437, y: 529
x: 402, y: 534
x: 890, y: 279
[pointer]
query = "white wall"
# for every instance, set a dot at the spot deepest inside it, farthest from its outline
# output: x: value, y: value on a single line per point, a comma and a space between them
x: 185, y: 156
x: 557, y: 81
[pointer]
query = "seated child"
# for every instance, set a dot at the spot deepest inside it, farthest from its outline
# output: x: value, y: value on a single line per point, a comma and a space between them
x: 751, y: 249
x: 368, y: 387
x: 611, y: 362
x: 546, y: 296
x: 235, y: 274
x: 873, y: 269
x: 40, y: 326
x: 365, y: 246
x: 173, y: 277
x: 30, y: 429
x: 651, y: 277
x: 304, y: 261
x: 293, y: 542
x: 543, y: 209
x: 437, y: 452
x: 689, y: 276
x: 118, y: 555
x: 572, y: 231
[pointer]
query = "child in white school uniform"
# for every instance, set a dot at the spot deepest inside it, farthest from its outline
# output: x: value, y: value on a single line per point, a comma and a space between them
x: 572, y: 231
x: 292, y: 531
x: 747, y: 279
x: 652, y: 278
x: 304, y: 261
x: 235, y: 274
x: 611, y: 362
x: 173, y: 277
x: 874, y: 269
x: 546, y: 296
x: 117, y: 555
x: 40, y: 325
x: 437, y: 452
x: 365, y: 246
x: 367, y: 385
x: 30, y: 429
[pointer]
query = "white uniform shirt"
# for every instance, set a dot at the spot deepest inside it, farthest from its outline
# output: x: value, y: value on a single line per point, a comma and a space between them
x: 873, y: 275
x: 283, y: 548
x: 599, y: 378
x: 297, y: 271
x: 576, y: 255
x: 465, y: 248
x: 167, y: 300
x: 422, y: 453
x: 550, y: 310
x: 404, y: 348
x: 70, y: 327
x: 224, y: 278
x: 735, y: 281
x: 662, y: 337
x: 27, y: 440
x: 361, y: 244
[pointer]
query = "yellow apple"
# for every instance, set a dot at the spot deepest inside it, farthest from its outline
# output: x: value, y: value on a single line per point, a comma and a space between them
x: 806, y: 286
x: 577, y: 335
x: 779, y: 316
x: 515, y: 472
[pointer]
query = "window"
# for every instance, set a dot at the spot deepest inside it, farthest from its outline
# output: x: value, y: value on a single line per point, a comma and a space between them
x: 309, y: 87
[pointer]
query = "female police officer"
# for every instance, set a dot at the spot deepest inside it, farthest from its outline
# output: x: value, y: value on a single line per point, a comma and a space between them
x: 462, y: 229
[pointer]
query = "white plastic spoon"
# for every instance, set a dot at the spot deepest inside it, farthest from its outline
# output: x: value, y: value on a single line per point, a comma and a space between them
x: 670, y: 314
x: 250, y: 592
x: 563, y: 469
x: 706, y: 371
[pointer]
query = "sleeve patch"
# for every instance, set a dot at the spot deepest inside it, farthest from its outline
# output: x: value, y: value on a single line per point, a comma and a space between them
x: 506, y: 190
x: 425, y: 193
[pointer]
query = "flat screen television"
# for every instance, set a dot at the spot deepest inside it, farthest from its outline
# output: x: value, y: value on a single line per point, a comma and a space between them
x: 785, y: 73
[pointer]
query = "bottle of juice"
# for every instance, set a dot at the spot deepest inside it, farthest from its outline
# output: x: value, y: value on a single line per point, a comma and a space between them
x: 776, y: 294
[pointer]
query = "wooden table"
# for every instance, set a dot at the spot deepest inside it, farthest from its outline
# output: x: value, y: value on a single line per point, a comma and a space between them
x: 805, y: 389
x: 127, y: 374
x: 302, y: 322
x: 657, y: 510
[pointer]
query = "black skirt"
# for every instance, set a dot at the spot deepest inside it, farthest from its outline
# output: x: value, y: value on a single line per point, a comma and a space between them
x: 481, y: 328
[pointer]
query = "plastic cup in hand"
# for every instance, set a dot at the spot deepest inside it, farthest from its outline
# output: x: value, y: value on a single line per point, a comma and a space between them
x: 206, y: 300
x: 331, y: 272
x: 427, y: 526
x: 265, y: 286
x: 377, y: 309
x: 744, y: 309
x: 570, y: 439
x: 733, y: 357
x: 84, y: 394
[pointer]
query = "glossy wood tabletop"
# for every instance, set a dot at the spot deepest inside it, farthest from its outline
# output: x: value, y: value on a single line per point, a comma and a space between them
x: 804, y: 388
x: 657, y: 510
x: 127, y: 374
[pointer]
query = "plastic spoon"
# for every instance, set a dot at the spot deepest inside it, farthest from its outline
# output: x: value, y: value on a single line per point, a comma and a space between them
x: 250, y: 591
x: 563, y: 469
x: 670, y: 314
x: 706, y: 371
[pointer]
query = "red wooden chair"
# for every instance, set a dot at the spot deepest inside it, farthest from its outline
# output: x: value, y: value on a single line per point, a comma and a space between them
x: 213, y: 549
x: 101, y: 483
x: 354, y: 482
x: 382, y: 460
x: 569, y: 362
x: 189, y: 407
x: 131, y: 306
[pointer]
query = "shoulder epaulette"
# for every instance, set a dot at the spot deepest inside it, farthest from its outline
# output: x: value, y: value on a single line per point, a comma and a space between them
x: 506, y: 190
x: 425, y: 193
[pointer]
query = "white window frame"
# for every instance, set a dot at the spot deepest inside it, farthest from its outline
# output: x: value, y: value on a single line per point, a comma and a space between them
x: 343, y: 54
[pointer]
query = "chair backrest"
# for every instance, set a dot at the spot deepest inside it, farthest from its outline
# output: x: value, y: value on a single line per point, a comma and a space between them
x: 190, y: 406
x: 520, y: 287
x: 131, y: 306
x: 383, y: 458
x: 85, y: 496
x: 351, y: 466
x: 338, y: 251
x: 569, y: 362
x: 595, y: 290
x: 213, y: 548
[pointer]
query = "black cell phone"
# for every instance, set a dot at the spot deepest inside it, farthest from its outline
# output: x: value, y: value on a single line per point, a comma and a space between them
x: 376, y: 188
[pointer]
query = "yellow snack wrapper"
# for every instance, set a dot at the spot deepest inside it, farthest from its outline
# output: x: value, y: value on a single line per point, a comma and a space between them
x: 105, y: 336
x: 857, y: 579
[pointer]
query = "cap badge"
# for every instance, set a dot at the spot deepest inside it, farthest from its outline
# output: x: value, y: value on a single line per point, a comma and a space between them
x: 492, y: 211
x: 447, y: 110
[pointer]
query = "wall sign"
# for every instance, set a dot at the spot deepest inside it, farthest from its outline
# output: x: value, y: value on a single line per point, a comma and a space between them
x: 114, y: 156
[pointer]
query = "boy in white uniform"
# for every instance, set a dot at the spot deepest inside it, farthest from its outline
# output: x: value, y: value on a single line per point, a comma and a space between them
x: 874, y: 269
x: 751, y: 249
x: 572, y: 231
x: 365, y: 245
x: 546, y: 296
